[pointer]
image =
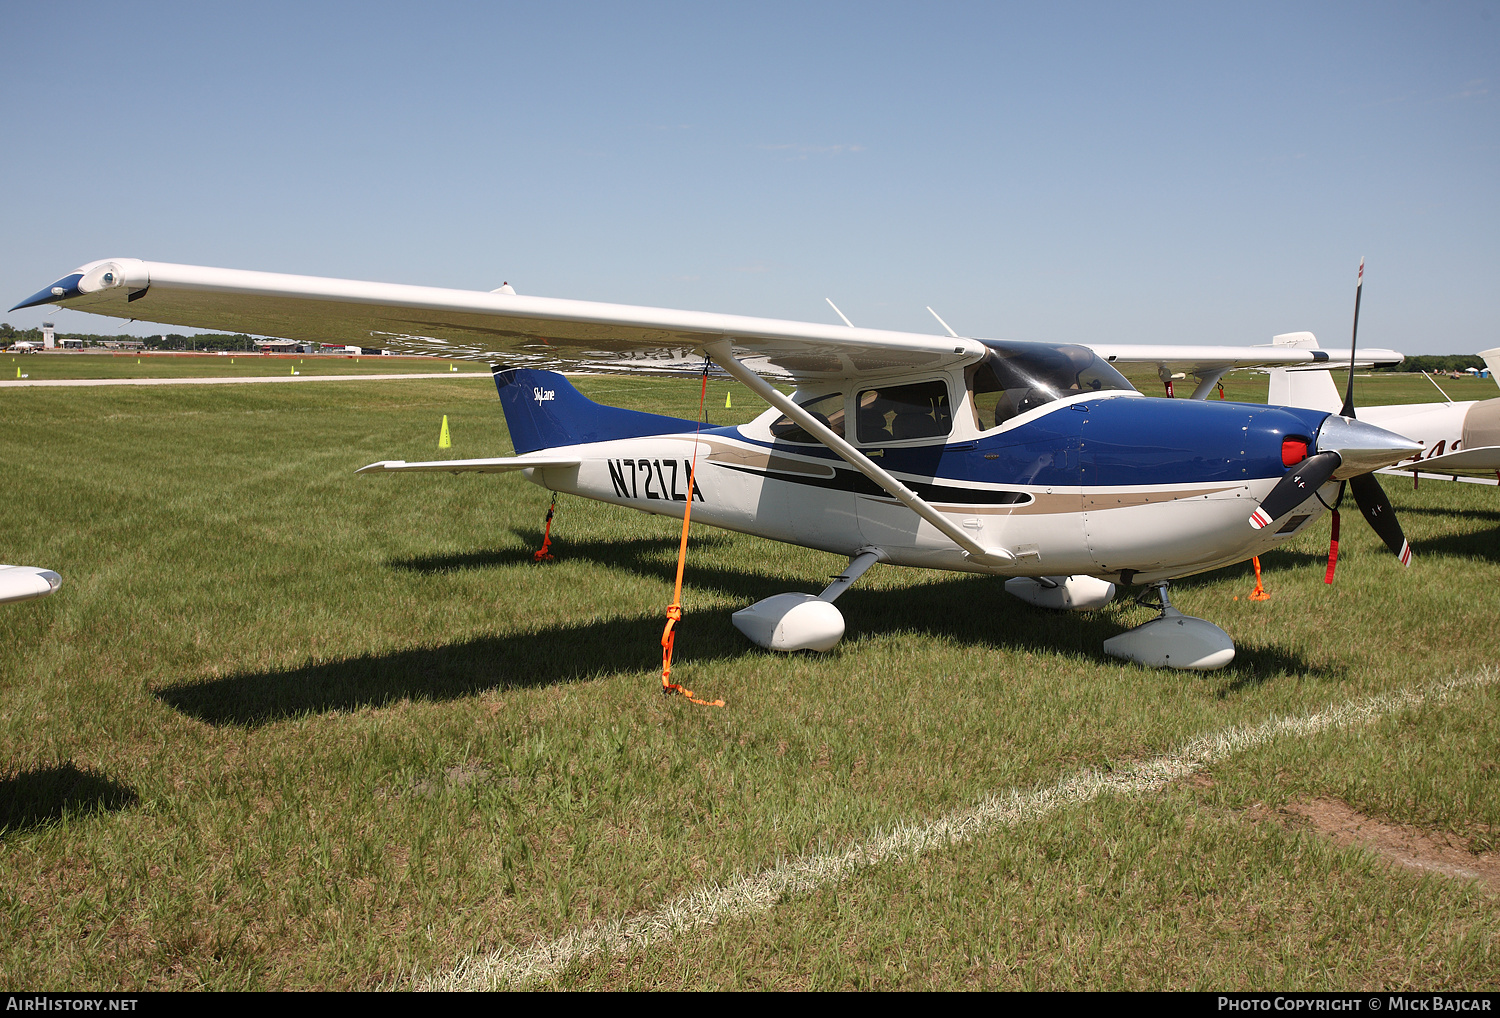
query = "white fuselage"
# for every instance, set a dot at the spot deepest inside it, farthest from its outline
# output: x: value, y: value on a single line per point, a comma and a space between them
x: 805, y: 497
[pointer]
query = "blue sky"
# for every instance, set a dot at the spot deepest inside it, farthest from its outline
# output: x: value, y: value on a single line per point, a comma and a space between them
x: 1113, y: 173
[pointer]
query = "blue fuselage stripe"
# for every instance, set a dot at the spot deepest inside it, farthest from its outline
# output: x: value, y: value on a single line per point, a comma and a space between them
x: 1114, y: 442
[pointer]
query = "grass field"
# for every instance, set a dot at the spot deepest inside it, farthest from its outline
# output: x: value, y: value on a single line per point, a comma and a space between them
x: 285, y: 727
x: 175, y: 365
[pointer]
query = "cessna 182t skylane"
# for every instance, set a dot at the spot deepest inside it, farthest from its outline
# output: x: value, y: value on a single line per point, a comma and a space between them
x: 1036, y: 462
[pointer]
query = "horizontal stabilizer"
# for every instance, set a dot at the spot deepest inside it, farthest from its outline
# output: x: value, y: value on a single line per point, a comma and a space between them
x: 1486, y: 458
x: 500, y: 465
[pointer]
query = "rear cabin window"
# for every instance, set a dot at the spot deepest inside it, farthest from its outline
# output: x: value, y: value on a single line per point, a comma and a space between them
x: 897, y: 413
x: 828, y: 410
x: 1013, y: 379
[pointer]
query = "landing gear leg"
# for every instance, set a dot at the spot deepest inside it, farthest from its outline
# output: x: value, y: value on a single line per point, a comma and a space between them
x: 1173, y: 640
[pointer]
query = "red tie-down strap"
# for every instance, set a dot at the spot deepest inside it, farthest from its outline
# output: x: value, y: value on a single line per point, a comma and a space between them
x: 1333, y: 549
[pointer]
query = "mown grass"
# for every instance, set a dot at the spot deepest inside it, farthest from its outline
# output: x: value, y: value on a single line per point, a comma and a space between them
x: 287, y: 727
x: 206, y: 365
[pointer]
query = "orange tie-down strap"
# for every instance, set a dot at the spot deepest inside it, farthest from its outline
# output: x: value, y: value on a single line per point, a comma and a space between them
x: 674, y: 610
x: 1259, y: 593
x: 544, y: 553
x: 668, y: 638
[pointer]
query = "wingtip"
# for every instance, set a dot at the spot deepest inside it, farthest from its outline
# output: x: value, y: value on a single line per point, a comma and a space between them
x: 64, y: 288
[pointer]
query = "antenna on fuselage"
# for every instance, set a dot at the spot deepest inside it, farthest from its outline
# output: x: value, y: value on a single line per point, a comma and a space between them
x: 943, y: 323
x: 838, y: 312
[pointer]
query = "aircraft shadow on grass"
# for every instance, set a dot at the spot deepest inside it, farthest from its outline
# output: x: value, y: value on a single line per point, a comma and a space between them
x: 1491, y: 515
x: 44, y: 795
x: 1480, y: 545
x: 970, y: 610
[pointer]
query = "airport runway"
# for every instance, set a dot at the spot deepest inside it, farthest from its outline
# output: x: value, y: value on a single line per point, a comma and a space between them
x: 229, y: 381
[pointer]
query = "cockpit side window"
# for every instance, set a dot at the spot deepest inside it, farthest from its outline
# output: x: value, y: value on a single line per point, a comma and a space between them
x: 1015, y: 378
x: 899, y: 412
x: 827, y: 410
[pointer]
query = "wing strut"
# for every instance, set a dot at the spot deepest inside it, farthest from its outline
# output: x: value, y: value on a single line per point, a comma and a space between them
x: 723, y: 354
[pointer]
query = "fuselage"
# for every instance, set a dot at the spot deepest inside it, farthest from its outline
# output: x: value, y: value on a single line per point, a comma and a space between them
x: 1445, y: 430
x: 1105, y: 483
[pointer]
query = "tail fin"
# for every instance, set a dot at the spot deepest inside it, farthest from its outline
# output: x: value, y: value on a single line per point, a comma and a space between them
x: 544, y: 411
x: 1492, y: 361
x: 1312, y: 389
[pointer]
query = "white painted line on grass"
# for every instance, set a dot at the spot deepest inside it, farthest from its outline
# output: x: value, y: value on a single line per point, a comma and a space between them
x: 7, y: 382
x: 761, y: 891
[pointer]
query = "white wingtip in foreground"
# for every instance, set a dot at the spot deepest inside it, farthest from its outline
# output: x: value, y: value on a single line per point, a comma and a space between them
x: 26, y: 583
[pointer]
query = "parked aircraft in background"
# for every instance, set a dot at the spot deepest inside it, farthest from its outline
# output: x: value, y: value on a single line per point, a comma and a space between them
x: 1459, y: 439
x: 1036, y: 462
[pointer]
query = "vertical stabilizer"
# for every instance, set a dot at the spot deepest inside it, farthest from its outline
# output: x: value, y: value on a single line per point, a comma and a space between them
x: 1492, y: 361
x: 544, y: 411
x: 1310, y: 390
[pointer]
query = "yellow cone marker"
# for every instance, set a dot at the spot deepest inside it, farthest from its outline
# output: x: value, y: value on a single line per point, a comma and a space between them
x: 18, y: 372
x: 453, y: 367
x: 727, y: 404
x: 444, y: 442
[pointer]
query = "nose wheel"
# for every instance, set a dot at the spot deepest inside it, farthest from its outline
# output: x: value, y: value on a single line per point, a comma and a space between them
x: 1172, y: 639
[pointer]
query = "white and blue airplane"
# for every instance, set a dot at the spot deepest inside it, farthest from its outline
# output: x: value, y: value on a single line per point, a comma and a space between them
x: 1038, y: 463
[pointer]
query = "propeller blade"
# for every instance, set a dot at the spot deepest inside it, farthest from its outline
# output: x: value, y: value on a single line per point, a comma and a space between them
x: 1370, y: 497
x: 1296, y: 487
x: 1359, y: 287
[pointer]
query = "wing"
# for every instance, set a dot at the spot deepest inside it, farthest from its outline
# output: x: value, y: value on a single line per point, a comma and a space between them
x: 490, y: 466
x: 469, y: 324
x: 551, y: 332
x: 1205, y: 360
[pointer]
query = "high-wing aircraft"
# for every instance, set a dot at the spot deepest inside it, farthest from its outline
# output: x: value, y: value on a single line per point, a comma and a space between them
x: 1457, y: 438
x: 1031, y: 461
x: 24, y: 583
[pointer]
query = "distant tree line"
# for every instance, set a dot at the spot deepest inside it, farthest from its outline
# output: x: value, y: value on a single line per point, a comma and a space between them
x: 1438, y: 362
x: 10, y: 334
x: 214, y: 341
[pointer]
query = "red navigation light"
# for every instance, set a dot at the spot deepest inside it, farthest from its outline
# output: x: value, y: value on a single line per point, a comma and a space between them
x: 1293, y: 451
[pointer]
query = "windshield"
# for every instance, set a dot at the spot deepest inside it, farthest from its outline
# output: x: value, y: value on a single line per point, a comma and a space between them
x: 1016, y: 377
x: 827, y: 410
